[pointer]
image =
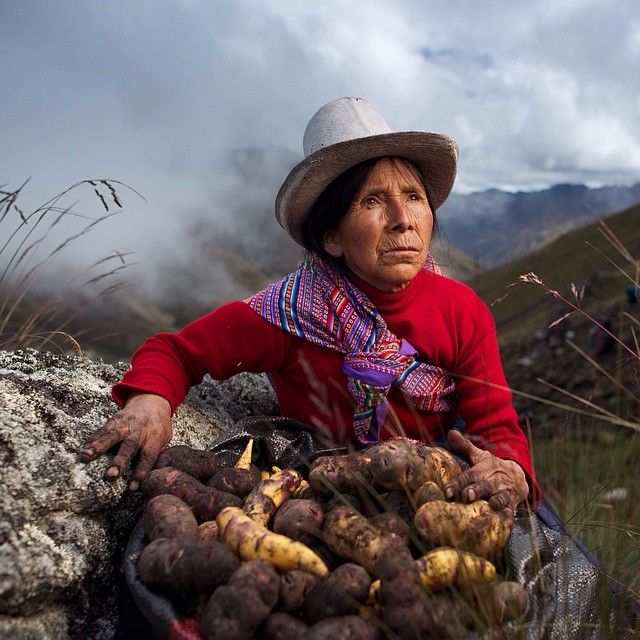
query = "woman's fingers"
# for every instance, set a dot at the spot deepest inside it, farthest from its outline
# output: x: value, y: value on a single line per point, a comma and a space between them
x: 503, y: 499
x: 126, y: 452
x: 470, y: 488
x: 114, y: 430
x: 455, y: 486
x: 148, y: 458
x: 501, y: 482
x: 463, y: 446
x: 143, y: 427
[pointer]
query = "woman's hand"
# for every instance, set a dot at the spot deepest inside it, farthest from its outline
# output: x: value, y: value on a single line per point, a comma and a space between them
x: 143, y: 426
x: 501, y: 482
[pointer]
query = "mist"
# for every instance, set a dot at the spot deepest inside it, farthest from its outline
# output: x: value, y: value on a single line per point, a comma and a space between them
x: 200, y: 106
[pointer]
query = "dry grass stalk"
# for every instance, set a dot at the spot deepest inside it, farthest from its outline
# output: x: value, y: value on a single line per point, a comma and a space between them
x: 27, y: 256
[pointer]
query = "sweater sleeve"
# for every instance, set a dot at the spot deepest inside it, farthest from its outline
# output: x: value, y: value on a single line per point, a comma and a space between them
x: 229, y: 340
x: 485, y: 401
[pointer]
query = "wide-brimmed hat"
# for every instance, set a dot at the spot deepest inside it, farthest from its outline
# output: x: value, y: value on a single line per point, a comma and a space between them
x: 348, y: 131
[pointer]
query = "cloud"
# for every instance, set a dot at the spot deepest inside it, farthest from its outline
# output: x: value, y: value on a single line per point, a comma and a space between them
x: 157, y: 92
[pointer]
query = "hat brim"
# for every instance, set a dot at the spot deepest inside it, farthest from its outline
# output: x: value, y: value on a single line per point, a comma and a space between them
x: 436, y: 154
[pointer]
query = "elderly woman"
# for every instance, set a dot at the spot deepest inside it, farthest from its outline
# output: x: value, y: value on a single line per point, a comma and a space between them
x: 366, y: 340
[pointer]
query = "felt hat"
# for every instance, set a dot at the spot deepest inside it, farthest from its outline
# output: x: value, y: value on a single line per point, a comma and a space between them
x: 348, y: 131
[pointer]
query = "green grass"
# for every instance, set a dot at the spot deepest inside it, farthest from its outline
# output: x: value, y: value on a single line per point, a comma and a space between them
x: 577, y: 470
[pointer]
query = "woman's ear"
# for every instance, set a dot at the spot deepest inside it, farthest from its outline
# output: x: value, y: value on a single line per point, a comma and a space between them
x: 331, y: 244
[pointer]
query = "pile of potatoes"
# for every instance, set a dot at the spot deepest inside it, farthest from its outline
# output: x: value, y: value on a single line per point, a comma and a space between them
x: 366, y: 547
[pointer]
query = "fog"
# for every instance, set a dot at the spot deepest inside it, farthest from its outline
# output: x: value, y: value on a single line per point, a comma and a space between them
x: 200, y: 106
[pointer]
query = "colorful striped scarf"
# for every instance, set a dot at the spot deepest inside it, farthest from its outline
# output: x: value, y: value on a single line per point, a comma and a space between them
x: 319, y: 304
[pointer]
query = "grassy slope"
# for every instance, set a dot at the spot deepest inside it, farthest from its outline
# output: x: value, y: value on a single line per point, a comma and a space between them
x: 567, y: 260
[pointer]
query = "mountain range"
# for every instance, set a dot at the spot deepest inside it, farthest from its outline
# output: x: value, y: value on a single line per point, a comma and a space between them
x: 496, y: 226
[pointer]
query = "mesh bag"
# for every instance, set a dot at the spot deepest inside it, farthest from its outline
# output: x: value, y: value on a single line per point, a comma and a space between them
x: 568, y: 598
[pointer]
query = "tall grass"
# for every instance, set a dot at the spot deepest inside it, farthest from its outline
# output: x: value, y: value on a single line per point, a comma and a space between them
x: 31, y: 315
x: 589, y: 468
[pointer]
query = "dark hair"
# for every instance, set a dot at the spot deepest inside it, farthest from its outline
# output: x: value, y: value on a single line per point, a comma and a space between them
x: 334, y: 202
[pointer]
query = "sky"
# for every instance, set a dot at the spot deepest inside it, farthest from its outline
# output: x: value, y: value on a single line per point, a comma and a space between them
x: 161, y: 93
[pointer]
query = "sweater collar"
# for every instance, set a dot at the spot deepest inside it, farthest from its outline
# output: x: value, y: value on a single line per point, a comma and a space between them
x: 390, y: 301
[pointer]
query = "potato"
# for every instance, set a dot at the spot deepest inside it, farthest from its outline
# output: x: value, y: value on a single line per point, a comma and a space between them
x: 508, y: 601
x: 282, y: 626
x: 197, y: 463
x: 343, y: 592
x: 294, y: 587
x: 488, y: 604
x: 440, y: 616
x: 350, y: 535
x: 398, y: 503
x: 444, y: 566
x: 239, y: 482
x: 427, y: 492
x: 250, y: 539
x: 398, y: 587
x: 331, y: 559
x: 205, y: 502
x: 166, y: 516
x: 442, y: 464
x: 341, y: 474
x: 404, y: 464
x: 343, y: 500
x: 235, y: 610
x: 186, y: 565
x: 208, y: 530
x: 343, y: 628
x: 388, y: 522
x: 299, y: 519
x: 267, y: 496
x: 473, y: 527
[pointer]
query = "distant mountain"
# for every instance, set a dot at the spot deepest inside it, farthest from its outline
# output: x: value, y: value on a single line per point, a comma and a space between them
x: 601, y: 257
x: 495, y: 226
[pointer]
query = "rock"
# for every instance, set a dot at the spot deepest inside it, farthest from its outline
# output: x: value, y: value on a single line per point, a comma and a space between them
x: 63, y: 528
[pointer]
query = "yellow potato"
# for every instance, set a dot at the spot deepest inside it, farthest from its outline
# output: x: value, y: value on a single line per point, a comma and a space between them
x: 251, y: 540
x: 473, y: 527
x: 269, y: 494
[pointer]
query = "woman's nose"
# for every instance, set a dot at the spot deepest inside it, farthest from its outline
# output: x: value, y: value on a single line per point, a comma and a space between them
x: 398, y: 215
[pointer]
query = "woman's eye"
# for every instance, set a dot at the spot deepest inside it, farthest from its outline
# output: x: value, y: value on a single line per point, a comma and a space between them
x: 370, y: 201
x: 414, y: 196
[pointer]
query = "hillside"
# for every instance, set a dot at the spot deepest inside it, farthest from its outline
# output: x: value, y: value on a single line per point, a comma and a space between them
x: 536, y: 357
x: 583, y: 257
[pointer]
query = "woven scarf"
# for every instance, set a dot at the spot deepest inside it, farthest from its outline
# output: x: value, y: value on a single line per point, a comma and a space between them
x: 319, y: 304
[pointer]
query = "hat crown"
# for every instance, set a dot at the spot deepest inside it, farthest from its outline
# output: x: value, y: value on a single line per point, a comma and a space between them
x: 343, y: 119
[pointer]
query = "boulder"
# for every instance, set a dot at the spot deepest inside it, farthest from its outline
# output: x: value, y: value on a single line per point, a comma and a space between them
x: 63, y: 528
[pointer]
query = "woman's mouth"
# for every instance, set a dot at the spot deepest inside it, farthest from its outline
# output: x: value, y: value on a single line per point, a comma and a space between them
x: 394, y: 250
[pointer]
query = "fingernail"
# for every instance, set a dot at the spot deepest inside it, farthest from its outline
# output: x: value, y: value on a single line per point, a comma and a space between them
x: 88, y: 452
x: 448, y: 493
x: 134, y: 485
x: 471, y: 494
x: 112, y: 472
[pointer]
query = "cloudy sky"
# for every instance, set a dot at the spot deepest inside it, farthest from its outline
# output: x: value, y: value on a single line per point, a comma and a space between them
x: 156, y: 93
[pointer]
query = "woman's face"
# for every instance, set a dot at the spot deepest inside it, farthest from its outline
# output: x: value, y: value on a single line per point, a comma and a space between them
x: 385, y: 236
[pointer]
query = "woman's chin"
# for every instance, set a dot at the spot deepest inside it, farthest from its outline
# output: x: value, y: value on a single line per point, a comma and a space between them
x: 398, y: 276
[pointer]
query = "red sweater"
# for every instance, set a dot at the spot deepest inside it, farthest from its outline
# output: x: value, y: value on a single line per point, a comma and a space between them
x: 442, y: 318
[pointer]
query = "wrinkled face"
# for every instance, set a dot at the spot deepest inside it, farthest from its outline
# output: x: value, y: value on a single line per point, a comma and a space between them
x: 384, y: 238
